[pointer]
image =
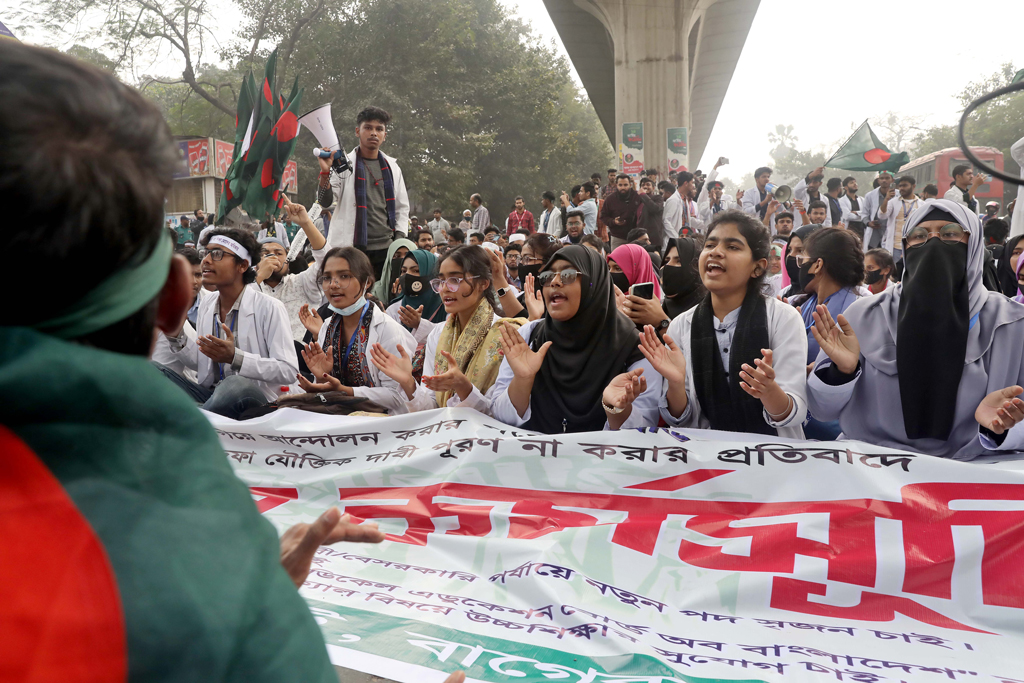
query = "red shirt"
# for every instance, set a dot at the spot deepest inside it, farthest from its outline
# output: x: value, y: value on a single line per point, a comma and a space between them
x: 517, y: 221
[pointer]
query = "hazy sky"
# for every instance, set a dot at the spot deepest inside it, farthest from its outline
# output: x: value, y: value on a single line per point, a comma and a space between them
x: 927, y: 50
x: 908, y: 56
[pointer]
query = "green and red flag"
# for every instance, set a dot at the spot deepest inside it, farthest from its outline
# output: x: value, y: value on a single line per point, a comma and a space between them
x: 865, y: 152
x: 263, y: 196
x: 233, y: 190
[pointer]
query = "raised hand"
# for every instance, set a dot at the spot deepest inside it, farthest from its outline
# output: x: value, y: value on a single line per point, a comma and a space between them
x: 533, y: 299
x: 524, y: 361
x: 624, y: 388
x: 216, y: 349
x: 300, y: 542
x: 497, y: 269
x: 398, y: 368
x: 410, y: 317
x: 451, y: 380
x: 667, y: 359
x: 760, y: 383
x: 311, y: 320
x: 295, y: 212
x: 1001, y: 410
x: 318, y: 360
x: 838, y: 341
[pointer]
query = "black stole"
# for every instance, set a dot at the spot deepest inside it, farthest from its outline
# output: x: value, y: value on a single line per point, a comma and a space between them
x: 726, y: 405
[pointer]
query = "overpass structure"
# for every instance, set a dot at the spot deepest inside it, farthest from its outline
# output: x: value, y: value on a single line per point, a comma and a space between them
x: 666, y: 63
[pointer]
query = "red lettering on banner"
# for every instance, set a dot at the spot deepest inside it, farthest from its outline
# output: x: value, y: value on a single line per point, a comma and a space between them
x: 927, y: 512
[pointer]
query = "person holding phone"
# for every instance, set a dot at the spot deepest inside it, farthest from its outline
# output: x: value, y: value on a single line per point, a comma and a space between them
x: 735, y: 362
x: 638, y: 291
x: 578, y: 368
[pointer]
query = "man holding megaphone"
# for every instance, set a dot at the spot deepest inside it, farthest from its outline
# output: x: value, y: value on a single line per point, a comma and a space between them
x: 370, y: 201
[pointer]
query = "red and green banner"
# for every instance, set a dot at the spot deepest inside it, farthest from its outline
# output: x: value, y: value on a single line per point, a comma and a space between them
x: 651, y: 556
x: 865, y: 152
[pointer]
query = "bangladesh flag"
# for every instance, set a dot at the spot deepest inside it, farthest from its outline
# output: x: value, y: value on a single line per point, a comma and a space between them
x: 865, y: 152
x: 263, y: 196
x: 231, y: 195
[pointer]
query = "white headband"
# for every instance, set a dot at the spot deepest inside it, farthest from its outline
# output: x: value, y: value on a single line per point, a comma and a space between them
x: 224, y: 241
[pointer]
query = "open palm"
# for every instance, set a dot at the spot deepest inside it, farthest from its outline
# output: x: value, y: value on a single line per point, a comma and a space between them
x: 667, y: 359
x: 398, y: 368
x: 524, y: 361
x: 837, y: 340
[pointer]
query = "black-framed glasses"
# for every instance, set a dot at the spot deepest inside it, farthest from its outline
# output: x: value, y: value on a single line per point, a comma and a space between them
x: 452, y: 284
x: 567, y: 277
x: 215, y: 254
x: 950, y: 233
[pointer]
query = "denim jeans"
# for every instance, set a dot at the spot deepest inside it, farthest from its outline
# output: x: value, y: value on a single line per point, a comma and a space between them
x: 230, y: 398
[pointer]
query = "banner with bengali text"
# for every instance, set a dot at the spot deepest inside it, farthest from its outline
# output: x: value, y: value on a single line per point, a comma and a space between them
x: 655, y: 556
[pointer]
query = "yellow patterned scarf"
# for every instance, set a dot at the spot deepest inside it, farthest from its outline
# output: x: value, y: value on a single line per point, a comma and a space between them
x: 477, y: 349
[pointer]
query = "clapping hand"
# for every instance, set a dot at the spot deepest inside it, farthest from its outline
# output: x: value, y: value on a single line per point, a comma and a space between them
x: 300, y: 542
x: 410, y: 317
x: 216, y: 349
x: 1001, y: 410
x: 533, y: 299
x: 624, y: 388
x: 317, y: 359
x: 311, y: 320
x: 524, y: 361
x: 452, y: 379
x: 327, y: 383
x: 667, y: 359
x: 398, y: 368
x: 760, y: 383
x: 838, y: 341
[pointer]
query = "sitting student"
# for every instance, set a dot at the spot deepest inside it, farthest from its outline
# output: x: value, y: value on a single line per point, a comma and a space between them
x: 456, y: 237
x: 386, y: 289
x: 878, y: 268
x: 340, y: 358
x: 594, y: 242
x: 578, y: 368
x: 794, y: 250
x: 638, y: 236
x: 680, y: 278
x: 1007, y: 266
x: 476, y: 238
x: 166, y: 571
x: 933, y: 364
x: 735, y: 362
x: 463, y: 355
x: 419, y: 307
x: 244, y: 352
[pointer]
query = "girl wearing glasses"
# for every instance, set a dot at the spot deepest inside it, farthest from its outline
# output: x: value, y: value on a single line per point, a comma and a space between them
x: 462, y: 355
x: 340, y: 358
x: 735, y: 362
x: 933, y: 364
x: 578, y: 368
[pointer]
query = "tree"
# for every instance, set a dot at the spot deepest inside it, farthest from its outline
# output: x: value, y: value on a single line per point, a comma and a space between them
x: 897, y: 130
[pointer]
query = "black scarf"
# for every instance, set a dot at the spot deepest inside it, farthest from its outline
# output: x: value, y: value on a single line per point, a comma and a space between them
x: 1007, y: 278
x: 588, y: 350
x: 931, y: 337
x: 763, y: 209
x: 726, y: 405
x: 688, y: 290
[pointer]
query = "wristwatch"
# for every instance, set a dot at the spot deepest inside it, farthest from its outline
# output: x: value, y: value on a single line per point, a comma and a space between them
x: 662, y: 326
x: 503, y: 291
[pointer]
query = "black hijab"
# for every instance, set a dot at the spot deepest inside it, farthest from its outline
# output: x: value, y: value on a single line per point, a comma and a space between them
x: 932, y: 326
x: 684, y: 279
x: 1007, y: 278
x: 587, y: 351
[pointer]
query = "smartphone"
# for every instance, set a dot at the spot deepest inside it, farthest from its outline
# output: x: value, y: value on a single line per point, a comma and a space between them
x: 722, y: 161
x: 644, y: 290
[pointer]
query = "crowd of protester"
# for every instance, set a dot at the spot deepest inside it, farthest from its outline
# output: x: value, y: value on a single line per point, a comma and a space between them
x: 894, y: 318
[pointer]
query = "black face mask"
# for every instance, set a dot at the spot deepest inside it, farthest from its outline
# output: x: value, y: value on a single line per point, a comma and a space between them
x: 414, y: 285
x: 805, y: 275
x: 793, y: 270
x: 872, y: 276
x: 529, y: 270
x: 676, y: 280
x: 931, y: 337
x: 396, y: 268
x: 621, y: 281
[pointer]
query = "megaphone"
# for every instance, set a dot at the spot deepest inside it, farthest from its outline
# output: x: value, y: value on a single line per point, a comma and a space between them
x: 320, y: 124
x: 783, y: 193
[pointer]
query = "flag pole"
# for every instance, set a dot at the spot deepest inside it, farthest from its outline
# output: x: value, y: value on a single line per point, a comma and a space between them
x: 856, y: 130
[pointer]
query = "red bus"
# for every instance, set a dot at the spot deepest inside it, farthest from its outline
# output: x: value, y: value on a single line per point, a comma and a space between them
x: 937, y: 169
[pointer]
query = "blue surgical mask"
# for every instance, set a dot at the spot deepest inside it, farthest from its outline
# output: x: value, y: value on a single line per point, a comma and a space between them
x: 349, y: 310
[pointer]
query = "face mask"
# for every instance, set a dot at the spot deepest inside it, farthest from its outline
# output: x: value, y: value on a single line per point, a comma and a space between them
x: 349, y: 310
x: 872, y: 276
x: 621, y: 281
x: 805, y: 275
x: 529, y: 270
x: 414, y: 285
x: 676, y: 280
x: 792, y: 270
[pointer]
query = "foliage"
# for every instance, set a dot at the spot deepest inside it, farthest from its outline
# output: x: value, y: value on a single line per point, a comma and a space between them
x: 189, y: 114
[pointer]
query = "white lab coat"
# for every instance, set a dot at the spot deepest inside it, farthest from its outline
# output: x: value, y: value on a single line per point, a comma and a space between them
x: 672, y: 218
x: 870, y: 204
x: 425, y: 399
x: 751, y: 198
x: 704, y: 199
x: 422, y: 330
x: 849, y: 215
x: 892, y: 212
x: 343, y: 223
x: 554, y: 222
x: 386, y: 392
x: 263, y: 335
x: 1017, y: 220
x: 645, y: 406
x: 163, y: 355
x: 800, y: 192
x: 787, y: 338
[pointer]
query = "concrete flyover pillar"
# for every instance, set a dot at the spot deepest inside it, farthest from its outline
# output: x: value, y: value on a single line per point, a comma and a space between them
x: 665, y: 63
